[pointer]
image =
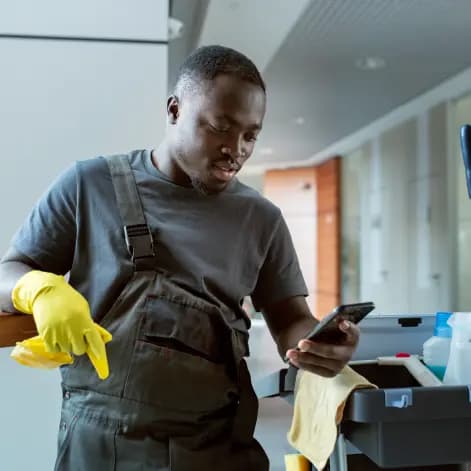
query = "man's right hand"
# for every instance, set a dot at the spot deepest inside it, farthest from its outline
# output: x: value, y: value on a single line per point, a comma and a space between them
x: 62, y: 317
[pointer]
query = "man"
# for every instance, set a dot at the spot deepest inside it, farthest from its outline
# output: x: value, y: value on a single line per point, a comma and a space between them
x: 164, y: 245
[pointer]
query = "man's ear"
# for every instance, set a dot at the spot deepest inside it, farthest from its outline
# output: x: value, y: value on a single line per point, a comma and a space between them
x: 173, y: 109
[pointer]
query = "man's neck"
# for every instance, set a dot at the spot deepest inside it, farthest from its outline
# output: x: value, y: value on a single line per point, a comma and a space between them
x: 163, y: 160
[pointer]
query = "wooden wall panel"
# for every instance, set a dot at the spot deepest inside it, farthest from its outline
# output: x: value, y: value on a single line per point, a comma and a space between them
x: 325, y: 303
x: 294, y: 192
x: 302, y: 194
x: 15, y: 328
x: 328, y: 236
x: 327, y: 252
x: 303, y: 233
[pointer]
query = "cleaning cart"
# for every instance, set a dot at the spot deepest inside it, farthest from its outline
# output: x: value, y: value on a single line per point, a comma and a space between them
x: 402, y: 424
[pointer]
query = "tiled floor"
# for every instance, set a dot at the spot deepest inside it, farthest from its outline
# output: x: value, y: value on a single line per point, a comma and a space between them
x: 274, y: 420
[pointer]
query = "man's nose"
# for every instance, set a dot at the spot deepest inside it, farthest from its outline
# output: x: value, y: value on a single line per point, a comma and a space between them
x: 235, y: 149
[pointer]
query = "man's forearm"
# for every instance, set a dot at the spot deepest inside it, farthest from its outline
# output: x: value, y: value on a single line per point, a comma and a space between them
x: 10, y: 273
x: 289, y: 321
x: 293, y: 333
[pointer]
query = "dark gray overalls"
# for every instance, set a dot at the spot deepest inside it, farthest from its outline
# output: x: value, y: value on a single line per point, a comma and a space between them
x: 179, y: 395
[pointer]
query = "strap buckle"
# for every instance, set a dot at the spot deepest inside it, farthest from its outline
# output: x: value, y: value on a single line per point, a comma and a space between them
x: 139, y: 241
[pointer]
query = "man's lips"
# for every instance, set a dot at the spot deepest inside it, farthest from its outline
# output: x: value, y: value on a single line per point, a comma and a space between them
x: 223, y: 172
x: 226, y: 166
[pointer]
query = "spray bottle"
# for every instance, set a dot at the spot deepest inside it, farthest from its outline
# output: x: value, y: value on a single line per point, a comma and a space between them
x: 458, y: 370
x: 436, y: 350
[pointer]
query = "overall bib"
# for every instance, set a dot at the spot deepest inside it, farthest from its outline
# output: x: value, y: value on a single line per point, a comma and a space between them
x: 179, y: 395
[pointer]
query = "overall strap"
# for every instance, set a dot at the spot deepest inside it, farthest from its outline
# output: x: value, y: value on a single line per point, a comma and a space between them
x: 137, y: 233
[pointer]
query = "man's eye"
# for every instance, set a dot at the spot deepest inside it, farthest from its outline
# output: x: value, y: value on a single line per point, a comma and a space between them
x: 219, y: 128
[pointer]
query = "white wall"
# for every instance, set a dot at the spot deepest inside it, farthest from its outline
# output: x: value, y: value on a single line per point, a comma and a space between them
x: 352, y: 195
x: 144, y: 19
x: 384, y: 222
x: 65, y: 100
x: 427, y: 221
x: 254, y: 181
x: 395, y: 226
x: 461, y: 114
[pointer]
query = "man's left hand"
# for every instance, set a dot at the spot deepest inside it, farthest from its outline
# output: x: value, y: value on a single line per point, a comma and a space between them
x: 326, y: 359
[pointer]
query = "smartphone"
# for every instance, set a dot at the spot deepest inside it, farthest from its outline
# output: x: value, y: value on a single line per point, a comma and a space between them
x: 328, y: 331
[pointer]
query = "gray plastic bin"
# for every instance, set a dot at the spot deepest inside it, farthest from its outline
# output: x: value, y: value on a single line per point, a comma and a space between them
x: 388, y: 334
x: 404, y: 424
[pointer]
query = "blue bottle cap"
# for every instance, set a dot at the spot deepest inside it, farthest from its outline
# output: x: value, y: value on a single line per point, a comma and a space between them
x: 442, y: 329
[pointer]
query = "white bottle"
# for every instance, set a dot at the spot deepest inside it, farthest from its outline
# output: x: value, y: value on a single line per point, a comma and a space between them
x: 459, y: 363
x: 436, y: 349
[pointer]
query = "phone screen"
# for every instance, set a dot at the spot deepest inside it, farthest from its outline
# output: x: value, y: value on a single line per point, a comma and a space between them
x: 328, y: 331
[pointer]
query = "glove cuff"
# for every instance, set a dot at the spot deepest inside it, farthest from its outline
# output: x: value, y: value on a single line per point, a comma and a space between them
x: 30, y: 286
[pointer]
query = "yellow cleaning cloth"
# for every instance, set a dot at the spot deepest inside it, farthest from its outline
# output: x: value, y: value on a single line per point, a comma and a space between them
x: 318, y: 409
x: 33, y: 353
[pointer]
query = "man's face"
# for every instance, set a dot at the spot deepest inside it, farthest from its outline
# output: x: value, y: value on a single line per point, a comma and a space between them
x: 213, y: 130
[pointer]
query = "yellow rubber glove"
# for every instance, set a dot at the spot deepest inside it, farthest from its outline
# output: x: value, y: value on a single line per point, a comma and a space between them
x: 32, y: 352
x: 62, y: 317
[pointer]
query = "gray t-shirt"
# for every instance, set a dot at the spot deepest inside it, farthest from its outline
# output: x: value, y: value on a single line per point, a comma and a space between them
x: 222, y: 247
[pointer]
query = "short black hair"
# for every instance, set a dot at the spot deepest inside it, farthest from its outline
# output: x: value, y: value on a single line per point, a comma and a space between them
x: 207, y: 62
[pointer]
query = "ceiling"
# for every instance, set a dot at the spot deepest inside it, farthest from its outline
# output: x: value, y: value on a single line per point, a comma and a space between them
x: 308, y: 51
x: 192, y: 14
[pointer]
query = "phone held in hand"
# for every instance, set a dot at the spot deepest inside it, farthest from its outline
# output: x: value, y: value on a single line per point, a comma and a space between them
x: 328, y: 331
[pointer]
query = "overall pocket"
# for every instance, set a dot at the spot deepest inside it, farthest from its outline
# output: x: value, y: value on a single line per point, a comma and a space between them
x: 182, y: 357
x: 66, y: 427
x: 190, y: 326
x: 86, y: 442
